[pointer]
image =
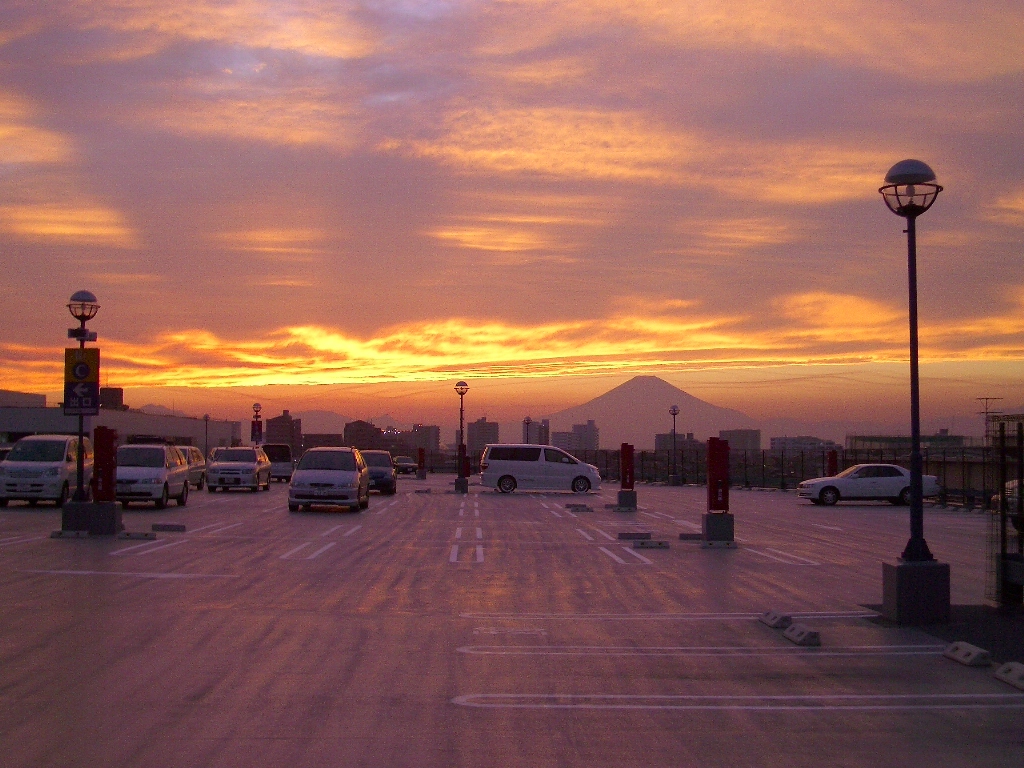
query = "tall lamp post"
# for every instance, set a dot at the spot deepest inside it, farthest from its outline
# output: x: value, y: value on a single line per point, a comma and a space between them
x: 674, y: 410
x: 526, y: 429
x: 909, y: 191
x: 83, y: 307
x: 462, y: 482
x: 206, y: 435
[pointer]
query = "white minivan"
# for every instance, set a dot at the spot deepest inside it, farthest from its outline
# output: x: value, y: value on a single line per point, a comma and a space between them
x: 535, y: 468
x: 43, y: 467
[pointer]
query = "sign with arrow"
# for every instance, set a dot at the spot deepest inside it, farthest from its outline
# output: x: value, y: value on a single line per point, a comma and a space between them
x: 81, y: 382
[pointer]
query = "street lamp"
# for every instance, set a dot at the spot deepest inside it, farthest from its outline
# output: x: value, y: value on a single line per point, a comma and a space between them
x: 909, y: 191
x: 206, y: 435
x: 83, y: 307
x: 526, y: 429
x: 674, y: 410
x: 462, y: 482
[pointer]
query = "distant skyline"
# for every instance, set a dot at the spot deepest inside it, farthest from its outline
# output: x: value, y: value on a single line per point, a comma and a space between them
x: 328, y: 205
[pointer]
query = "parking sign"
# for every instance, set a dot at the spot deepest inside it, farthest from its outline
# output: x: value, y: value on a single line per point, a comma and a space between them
x: 81, y: 382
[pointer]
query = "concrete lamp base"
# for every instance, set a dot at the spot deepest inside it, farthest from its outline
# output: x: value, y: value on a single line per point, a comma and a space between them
x: 718, y: 527
x: 627, y: 500
x: 98, y: 518
x: 462, y: 485
x: 915, y: 593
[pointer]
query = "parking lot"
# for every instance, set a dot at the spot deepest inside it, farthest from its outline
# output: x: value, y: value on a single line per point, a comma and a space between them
x: 437, y: 629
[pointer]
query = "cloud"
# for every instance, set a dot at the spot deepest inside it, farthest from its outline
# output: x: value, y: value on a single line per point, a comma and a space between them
x: 81, y: 225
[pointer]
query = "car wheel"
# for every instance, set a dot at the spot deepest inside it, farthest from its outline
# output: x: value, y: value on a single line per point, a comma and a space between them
x: 580, y: 485
x: 507, y: 484
x: 211, y: 488
x: 365, y: 503
x: 828, y: 496
x: 201, y: 483
x: 294, y: 507
x: 124, y: 505
x: 33, y: 502
x: 816, y: 502
x: 164, y: 497
x: 255, y: 488
x: 63, y: 495
x: 182, y: 500
x: 904, y: 497
x: 3, y: 502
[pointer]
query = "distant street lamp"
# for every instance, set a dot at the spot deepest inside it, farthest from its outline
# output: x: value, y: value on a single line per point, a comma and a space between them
x: 206, y: 435
x: 462, y: 482
x: 674, y: 410
x: 83, y: 307
x: 909, y: 191
x: 526, y: 429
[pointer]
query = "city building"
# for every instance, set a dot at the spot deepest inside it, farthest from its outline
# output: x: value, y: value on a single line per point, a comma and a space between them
x: 285, y: 429
x: 364, y: 436
x: 583, y: 437
x: 112, y: 398
x: 478, y: 434
x: 537, y: 432
x: 427, y: 437
x: 323, y: 440
x: 804, y: 443
x: 742, y: 439
x: 10, y: 399
x: 900, y: 444
x: 683, y: 442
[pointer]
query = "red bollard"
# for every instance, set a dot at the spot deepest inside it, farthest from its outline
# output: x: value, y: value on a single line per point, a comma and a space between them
x: 718, y: 522
x: 627, y: 494
x: 104, y: 471
x: 833, y: 464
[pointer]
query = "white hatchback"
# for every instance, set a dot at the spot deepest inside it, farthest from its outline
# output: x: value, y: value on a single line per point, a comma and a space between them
x: 880, y: 482
x: 536, y: 468
x: 239, y: 467
x: 154, y: 473
x: 43, y: 468
x: 330, y: 476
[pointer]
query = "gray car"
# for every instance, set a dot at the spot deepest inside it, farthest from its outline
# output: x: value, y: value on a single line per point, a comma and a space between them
x: 196, y: 465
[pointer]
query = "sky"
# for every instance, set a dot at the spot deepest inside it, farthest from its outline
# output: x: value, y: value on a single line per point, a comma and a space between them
x: 352, y: 205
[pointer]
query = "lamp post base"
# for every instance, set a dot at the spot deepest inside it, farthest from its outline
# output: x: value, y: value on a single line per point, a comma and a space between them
x: 719, y: 527
x: 915, y: 593
x: 462, y: 485
x: 98, y: 518
x: 627, y: 501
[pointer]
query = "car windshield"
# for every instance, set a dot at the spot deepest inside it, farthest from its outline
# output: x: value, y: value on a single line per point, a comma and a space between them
x: 850, y: 470
x: 377, y: 459
x: 130, y: 456
x: 404, y: 460
x: 238, y: 454
x: 37, y: 450
x: 338, y: 460
x: 278, y: 452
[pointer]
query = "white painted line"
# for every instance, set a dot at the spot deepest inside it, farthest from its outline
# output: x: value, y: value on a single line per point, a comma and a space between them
x: 665, y: 616
x: 458, y: 533
x: 462, y: 512
x: 612, y: 555
x: 649, y: 514
x: 585, y: 535
x: 139, y: 575
x: 607, y: 536
x: 826, y: 527
x: 291, y: 552
x: 554, y: 513
x: 22, y: 540
x: 352, y: 530
x: 205, y: 527
x: 476, y: 513
x: 225, y: 528
x: 162, y: 546
x: 688, y: 524
x: 570, y: 514
x: 787, y: 560
x: 638, y: 556
x: 149, y: 543
x: 545, y: 505
x: 782, y: 703
x: 321, y: 550
x: 479, y: 533
x: 454, y: 556
x: 794, y: 557
x: 479, y: 553
x: 329, y: 531
x: 14, y: 538
x: 684, y: 650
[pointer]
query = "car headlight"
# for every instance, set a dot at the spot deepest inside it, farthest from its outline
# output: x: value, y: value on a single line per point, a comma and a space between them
x: 346, y: 484
x: 300, y: 485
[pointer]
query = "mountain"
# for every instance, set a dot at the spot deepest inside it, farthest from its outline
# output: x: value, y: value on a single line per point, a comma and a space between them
x: 160, y: 410
x: 636, y: 411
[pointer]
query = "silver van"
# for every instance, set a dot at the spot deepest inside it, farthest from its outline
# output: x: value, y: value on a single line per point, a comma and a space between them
x: 507, y: 467
x: 43, y: 468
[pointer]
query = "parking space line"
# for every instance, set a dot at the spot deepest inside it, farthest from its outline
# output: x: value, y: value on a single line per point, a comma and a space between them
x: 786, y: 558
x: 329, y: 531
x: 291, y: 552
x: 162, y: 546
x: 225, y: 528
x: 479, y: 533
x: 479, y: 553
x: 696, y: 650
x: 454, y: 556
x: 458, y: 532
x: 584, y: 534
x: 708, y: 616
x: 612, y: 555
x: 134, y: 546
x: 352, y: 530
x: 205, y: 527
x: 570, y: 514
x: 688, y: 524
x: 794, y: 557
x: 826, y: 527
x: 21, y: 540
x: 638, y: 556
x: 606, y: 535
x: 476, y: 512
x: 554, y: 513
x: 321, y: 550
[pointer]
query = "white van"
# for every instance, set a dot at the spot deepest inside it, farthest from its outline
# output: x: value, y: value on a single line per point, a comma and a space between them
x: 43, y: 467
x: 535, y: 468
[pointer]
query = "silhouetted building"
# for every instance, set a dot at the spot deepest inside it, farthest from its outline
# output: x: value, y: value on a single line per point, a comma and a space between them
x: 364, y: 435
x: 584, y: 437
x: 536, y: 432
x: 112, y: 398
x: 683, y: 442
x: 478, y: 434
x: 285, y: 429
x: 804, y: 443
x: 322, y: 440
x: 901, y: 443
x: 427, y: 437
x: 741, y: 439
x: 11, y: 399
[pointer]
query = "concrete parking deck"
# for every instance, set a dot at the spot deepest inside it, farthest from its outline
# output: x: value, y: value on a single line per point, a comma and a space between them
x: 489, y: 630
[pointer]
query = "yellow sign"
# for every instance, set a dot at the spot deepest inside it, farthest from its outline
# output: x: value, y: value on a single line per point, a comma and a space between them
x: 82, y: 366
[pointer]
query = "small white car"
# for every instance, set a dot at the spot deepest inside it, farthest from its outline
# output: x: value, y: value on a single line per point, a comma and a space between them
x: 536, y: 468
x: 43, y: 468
x: 242, y: 467
x: 330, y: 476
x: 151, y: 472
x: 880, y: 482
x: 196, y: 465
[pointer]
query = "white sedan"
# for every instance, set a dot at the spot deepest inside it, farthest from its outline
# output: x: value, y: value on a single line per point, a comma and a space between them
x: 881, y: 482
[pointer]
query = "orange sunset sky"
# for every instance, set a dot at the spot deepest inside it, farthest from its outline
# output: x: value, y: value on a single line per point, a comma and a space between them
x: 350, y: 205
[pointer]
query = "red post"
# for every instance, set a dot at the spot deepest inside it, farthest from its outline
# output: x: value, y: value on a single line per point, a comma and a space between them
x: 421, y: 460
x: 833, y: 463
x: 104, y: 472
x: 626, y: 472
x: 718, y: 475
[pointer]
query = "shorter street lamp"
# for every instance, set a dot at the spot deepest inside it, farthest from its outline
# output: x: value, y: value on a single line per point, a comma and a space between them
x: 674, y: 410
x: 206, y: 435
x: 83, y: 307
x: 526, y: 429
x: 461, y: 482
